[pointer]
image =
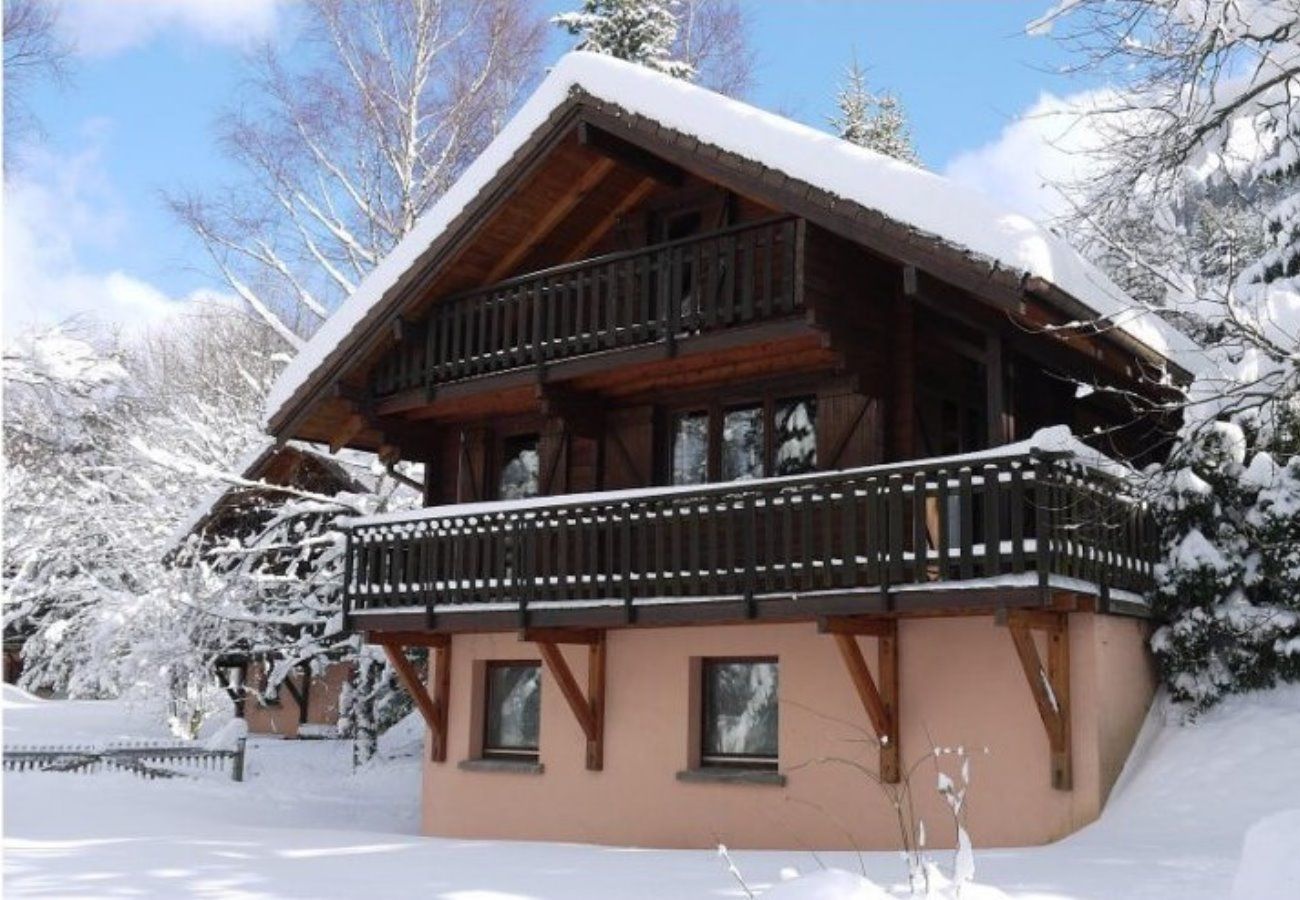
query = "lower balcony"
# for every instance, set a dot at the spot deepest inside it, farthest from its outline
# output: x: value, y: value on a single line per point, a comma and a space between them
x: 1004, y: 528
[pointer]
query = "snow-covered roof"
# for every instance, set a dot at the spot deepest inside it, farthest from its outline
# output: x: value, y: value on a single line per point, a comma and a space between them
x: 954, y: 214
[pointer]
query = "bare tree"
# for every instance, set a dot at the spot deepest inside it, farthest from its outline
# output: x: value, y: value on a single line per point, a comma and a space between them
x: 346, y: 142
x: 713, y: 36
x: 33, y: 50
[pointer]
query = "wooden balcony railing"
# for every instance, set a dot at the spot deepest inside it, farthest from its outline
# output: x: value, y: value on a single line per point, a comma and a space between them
x: 1034, y: 515
x: 739, y: 275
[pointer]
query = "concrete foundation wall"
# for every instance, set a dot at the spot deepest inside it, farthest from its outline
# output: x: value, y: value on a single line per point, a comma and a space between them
x: 960, y: 683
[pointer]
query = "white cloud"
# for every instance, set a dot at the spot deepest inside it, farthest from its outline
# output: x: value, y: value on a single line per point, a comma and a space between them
x: 1036, y: 160
x: 56, y: 209
x: 105, y: 27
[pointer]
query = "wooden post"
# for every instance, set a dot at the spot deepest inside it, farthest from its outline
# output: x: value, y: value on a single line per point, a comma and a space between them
x: 880, y: 703
x: 588, y: 709
x: 237, y: 762
x: 432, y: 707
x: 1050, y: 685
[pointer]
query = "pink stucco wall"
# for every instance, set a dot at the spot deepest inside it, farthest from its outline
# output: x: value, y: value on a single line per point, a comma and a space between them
x: 960, y: 682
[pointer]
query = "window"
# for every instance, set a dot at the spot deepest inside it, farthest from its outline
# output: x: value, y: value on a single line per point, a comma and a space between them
x: 514, y: 703
x: 734, y: 443
x: 796, y: 436
x: 520, y: 465
x: 743, y: 446
x: 690, y: 448
x: 740, y: 712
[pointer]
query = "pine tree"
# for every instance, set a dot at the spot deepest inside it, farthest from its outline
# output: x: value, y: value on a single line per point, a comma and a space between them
x: 875, y: 121
x: 640, y: 31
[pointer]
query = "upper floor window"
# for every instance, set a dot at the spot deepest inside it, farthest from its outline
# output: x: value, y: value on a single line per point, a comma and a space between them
x: 520, y: 468
x: 736, y: 443
x: 513, y: 714
x: 740, y: 712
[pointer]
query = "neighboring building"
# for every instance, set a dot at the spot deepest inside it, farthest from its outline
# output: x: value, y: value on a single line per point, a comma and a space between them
x: 306, y: 703
x: 727, y: 431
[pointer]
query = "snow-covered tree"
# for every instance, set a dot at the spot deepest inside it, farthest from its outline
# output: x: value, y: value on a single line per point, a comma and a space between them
x: 346, y: 140
x: 1195, y: 206
x: 868, y: 119
x: 640, y: 31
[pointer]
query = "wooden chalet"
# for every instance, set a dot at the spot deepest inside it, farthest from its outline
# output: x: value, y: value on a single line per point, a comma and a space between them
x: 735, y: 465
x: 306, y: 702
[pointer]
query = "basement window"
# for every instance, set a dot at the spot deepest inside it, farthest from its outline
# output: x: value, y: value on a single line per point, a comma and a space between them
x: 513, y: 715
x: 740, y: 713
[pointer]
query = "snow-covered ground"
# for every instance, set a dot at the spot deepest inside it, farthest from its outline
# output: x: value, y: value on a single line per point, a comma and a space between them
x: 304, y: 825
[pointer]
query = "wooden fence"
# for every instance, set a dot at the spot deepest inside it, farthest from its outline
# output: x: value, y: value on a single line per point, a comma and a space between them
x: 925, y: 523
x: 735, y: 276
x: 146, y: 761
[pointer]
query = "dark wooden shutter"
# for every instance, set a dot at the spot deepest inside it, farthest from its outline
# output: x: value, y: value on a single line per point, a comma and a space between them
x: 471, y: 475
x: 848, y: 430
x: 629, y: 448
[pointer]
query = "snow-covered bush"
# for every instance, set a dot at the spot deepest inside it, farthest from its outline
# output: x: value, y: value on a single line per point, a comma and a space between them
x: 1228, y: 589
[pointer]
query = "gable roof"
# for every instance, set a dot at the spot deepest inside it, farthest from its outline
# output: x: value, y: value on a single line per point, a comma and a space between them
x: 927, y: 204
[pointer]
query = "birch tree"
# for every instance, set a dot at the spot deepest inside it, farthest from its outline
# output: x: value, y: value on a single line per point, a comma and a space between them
x: 345, y: 141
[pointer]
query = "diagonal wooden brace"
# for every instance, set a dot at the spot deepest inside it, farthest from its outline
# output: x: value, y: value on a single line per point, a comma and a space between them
x: 1049, y: 685
x: 588, y: 708
x: 880, y: 703
x: 431, y: 701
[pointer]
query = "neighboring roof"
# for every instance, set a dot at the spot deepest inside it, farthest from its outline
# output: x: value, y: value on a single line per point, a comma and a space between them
x: 928, y: 203
x: 255, y: 465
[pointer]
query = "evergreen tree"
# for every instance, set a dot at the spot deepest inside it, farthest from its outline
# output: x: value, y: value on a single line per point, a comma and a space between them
x: 875, y: 121
x: 640, y: 31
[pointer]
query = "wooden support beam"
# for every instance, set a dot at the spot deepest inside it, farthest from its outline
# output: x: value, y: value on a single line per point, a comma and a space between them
x: 1050, y: 684
x: 588, y: 708
x: 354, y: 425
x: 553, y: 216
x: 871, y: 626
x: 880, y: 703
x: 432, y: 706
x: 607, y: 221
x: 408, y: 638
x: 629, y: 154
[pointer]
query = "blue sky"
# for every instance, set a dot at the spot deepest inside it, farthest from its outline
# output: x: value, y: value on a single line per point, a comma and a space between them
x: 138, y: 118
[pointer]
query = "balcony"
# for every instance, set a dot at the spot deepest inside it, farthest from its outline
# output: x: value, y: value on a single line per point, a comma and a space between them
x: 746, y: 274
x: 1009, y: 528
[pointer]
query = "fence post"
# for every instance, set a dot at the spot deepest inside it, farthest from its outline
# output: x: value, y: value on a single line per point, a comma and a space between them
x: 237, y: 761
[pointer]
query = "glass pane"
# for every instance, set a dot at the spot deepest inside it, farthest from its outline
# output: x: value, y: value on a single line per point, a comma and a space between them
x: 796, y: 436
x: 691, y: 448
x: 519, y: 469
x: 742, y: 443
x: 514, y: 698
x: 740, y: 716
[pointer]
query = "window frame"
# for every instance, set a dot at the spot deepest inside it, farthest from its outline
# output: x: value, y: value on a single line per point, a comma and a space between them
x: 716, y: 409
x: 519, y: 754
x: 736, y: 760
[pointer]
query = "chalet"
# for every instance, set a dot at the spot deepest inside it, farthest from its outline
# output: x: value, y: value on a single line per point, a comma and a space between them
x: 306, y: 701
x: 740, y: 459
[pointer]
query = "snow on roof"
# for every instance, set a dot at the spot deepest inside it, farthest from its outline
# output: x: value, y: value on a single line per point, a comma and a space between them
x: 931, y: 203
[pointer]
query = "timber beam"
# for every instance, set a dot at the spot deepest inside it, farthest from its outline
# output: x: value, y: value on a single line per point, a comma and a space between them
x: 589, y: 707
x: 582, y: 414
x: 880, y: 702
x: 629, y: 154
x: 432, y: 699
x: 1050, y: 684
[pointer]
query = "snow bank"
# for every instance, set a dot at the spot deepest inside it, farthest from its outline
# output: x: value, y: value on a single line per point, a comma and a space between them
x: 1270, y: 859
x: 924, y: 201
x: 828, y: 884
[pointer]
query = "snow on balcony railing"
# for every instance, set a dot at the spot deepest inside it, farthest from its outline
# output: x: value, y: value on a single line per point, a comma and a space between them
x: 1043, y: 508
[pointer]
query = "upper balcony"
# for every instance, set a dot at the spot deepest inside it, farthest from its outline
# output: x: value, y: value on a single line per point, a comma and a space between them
x: 1015, y: 527
x: 665, y: 293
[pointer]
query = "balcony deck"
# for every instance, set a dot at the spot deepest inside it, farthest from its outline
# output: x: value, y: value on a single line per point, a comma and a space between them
x: 744, y: 275
x: 1012, y: 528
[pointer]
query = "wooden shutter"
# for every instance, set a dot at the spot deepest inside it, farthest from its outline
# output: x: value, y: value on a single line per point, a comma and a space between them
x: 848, y: 430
